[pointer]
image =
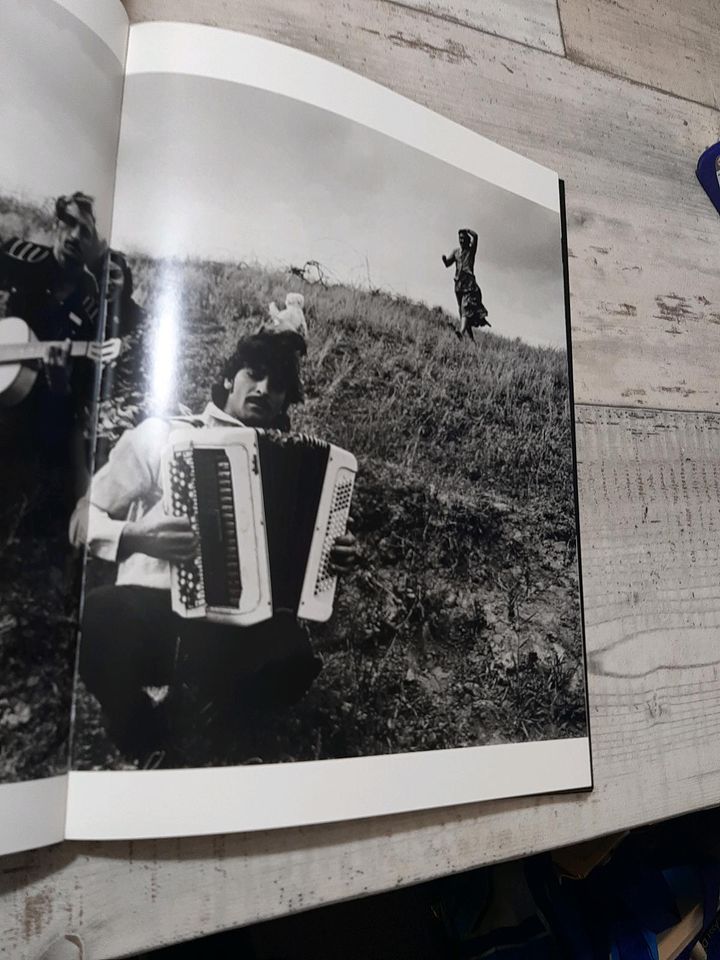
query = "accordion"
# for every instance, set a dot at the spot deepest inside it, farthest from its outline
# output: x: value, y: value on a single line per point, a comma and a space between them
x: 266, y: 509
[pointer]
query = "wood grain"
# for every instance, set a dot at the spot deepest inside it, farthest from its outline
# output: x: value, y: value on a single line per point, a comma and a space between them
x: 671, y: 46
x: 650, y: 487
x: 643, y: 236
x: 533, y: 22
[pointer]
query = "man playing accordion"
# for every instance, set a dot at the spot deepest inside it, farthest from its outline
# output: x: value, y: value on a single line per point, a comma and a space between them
x: 130, y: 634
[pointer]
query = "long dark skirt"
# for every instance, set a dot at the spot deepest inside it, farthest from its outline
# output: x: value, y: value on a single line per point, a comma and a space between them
x: 472, y: 309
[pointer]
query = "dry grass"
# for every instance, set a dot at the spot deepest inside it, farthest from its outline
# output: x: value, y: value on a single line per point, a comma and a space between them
x: 21, y: 219
x: 462, y: 625
x: 384, y: 378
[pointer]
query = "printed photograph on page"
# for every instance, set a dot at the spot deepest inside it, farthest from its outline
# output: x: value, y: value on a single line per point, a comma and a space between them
x: 60, y: 114
x: 333, y: 512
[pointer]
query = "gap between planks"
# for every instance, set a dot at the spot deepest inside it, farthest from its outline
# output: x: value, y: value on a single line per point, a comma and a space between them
x: 439, y: 14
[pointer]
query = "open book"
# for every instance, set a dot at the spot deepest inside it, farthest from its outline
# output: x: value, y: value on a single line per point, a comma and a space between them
x: 289, y: 522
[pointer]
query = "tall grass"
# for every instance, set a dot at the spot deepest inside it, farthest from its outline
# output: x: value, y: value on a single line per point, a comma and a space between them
x: 18, y: 218
x: 385, y: 378
x: 461, y: 625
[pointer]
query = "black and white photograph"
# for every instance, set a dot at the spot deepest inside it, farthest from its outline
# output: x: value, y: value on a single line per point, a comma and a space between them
x: 333, y: 511
x: 59, y: 114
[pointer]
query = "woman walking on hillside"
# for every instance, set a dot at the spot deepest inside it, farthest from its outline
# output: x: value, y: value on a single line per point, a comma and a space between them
x: 468, y: 293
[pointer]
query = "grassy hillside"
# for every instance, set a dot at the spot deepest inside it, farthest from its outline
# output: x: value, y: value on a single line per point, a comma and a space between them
x: 21, y: 219
x: 461, y: 626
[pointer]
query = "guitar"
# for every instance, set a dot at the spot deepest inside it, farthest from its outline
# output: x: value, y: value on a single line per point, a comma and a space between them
x: 19, y: 346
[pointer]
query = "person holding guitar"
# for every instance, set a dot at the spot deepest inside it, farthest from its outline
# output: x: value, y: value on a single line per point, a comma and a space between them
x: 55, y: 289
x: 53, y: 312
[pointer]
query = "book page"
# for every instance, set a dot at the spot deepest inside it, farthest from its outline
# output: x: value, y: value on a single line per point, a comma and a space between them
x: 318, y: 257
x: 61, y: 73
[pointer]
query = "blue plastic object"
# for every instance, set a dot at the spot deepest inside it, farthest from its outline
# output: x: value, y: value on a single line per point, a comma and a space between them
x: 708, y: 173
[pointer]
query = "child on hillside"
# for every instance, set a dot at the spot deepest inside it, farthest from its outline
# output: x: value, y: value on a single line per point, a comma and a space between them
x: 292, y: 317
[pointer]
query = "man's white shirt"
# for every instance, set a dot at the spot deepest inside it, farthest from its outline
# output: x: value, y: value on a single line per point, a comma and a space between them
x: 130, y: 487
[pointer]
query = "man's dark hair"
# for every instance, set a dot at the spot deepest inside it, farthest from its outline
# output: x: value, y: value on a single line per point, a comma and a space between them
x: 84, y: 203
x: 278, y: 352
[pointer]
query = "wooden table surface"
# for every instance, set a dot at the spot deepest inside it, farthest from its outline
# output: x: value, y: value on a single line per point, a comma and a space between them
x: 621, y: 99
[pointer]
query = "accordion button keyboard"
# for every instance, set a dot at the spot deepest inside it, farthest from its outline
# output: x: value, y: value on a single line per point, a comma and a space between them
x: 336, y: 526
x: 266, y: 509
x: 189, y: 573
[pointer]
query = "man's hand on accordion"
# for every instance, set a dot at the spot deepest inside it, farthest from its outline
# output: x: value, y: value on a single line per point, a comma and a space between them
x: 163, y: 537
x: 344, y: 554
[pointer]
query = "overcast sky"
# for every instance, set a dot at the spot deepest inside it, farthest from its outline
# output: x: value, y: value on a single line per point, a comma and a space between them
x: 213, y: 169
x: 59, y: 107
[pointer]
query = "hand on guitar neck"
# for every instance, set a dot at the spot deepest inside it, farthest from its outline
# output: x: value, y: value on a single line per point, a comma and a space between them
x: 19, y: 347
x: 58, y: 354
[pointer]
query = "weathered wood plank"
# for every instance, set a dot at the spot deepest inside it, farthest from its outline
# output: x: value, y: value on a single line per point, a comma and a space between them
x: 643, y: 236
x: 650, y: 486
x: 533, y: 22
x: 671, y: 46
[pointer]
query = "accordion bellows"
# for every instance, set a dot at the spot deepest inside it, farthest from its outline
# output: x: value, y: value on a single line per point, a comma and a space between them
x: 266, y: 508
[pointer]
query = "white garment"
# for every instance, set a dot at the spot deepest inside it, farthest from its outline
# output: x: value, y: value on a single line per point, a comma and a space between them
x: 292, y: 317
x: 129, y: 487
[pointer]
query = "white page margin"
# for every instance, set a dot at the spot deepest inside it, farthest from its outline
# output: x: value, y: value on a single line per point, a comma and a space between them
x: 239, y: 58
x: 119, y: 805
x: 32, y: 813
